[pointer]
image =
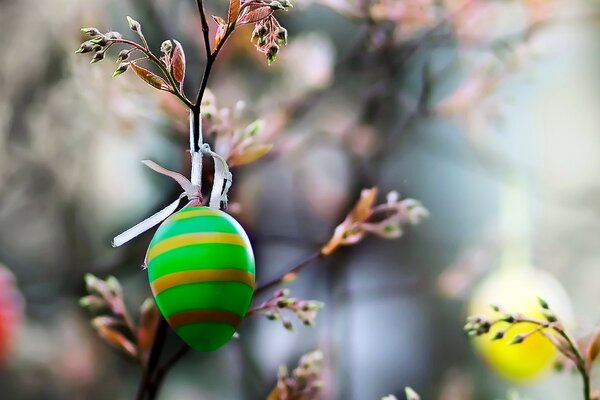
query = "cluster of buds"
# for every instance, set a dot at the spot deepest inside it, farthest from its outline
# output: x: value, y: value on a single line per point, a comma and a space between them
x: 268, y: 34
x: 479, y: 325
x: 98, y: 43
x: 384, y: 220
x: 304, y: 383
x: 304, y: 310
x: 113, y: 322
x: 236, y: 140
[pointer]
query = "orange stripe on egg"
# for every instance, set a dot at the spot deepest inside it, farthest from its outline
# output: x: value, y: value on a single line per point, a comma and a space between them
x: 203, y: 212
x: 202, y: 275
x: 191, y: 239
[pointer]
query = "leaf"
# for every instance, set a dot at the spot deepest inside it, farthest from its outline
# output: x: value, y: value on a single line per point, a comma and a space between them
x: 150, y: 78
x: 133, y: 24
x: 363, y: 207
x: 117, y: 340
x: 411, y: 394
x: 234, y: 11
x: 178, y: 64
x: 593, y: 349
x: 104, y: 322
x: 148, y: 322
x: 249, y: 155
x: 221, y: 31
x: 255, y: 15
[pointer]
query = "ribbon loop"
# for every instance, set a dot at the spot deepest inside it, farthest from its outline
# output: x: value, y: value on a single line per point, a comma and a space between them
x: 191, y: 188
x: 222, y: 181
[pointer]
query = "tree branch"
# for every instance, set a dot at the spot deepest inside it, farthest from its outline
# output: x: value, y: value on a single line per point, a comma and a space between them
x: 290, y: 274
x: 144, y: 389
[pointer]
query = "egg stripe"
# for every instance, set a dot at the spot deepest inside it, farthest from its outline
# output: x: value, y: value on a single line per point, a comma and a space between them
x: 204, y: 316
x: 195, y: 212
x: 200, y: 276
x: 189, y: 258
x: 191, y: 239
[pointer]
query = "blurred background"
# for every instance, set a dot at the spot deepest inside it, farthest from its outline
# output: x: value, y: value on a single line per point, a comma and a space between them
x: 441, y: 101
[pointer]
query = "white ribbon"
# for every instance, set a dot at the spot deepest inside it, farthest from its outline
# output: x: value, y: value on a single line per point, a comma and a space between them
x: 222, y: 176
x: 191, y: 189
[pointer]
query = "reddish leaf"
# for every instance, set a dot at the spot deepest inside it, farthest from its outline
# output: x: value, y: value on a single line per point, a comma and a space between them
x: 249, y: 154
x: 593, y: 349
x: 221, y: 30
x: 118, y: 340
x: 234, y: 11
x: 256, y: 15
x: 148, y: 322
x: 105, y: 321
x: 178, y: 64
x: 150, y: 78
x: 363, y: 208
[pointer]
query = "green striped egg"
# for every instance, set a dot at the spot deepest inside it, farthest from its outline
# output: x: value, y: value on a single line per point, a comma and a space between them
x: 201, y: 271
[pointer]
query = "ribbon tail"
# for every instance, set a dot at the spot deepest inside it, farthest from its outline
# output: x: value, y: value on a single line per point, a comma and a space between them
x: 222, y: 177
x: 185, y: 184
x: 146, y: 224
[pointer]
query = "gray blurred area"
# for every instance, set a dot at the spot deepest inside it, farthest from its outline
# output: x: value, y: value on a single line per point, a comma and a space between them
x: 72, y: 138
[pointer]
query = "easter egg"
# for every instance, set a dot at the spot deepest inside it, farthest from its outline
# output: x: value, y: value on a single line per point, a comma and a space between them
x: 517, y: 291
x: 201, y: 271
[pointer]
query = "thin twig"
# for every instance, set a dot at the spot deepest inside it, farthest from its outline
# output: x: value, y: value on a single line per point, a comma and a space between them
x: 155, y: 352
x: 291, y: 272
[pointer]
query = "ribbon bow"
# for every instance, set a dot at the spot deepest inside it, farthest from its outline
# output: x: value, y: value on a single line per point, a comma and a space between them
x: 191, y: 188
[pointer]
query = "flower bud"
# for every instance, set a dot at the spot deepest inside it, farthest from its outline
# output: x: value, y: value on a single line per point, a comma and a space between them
x: 166, y: 47
x: 92, y: 32
x: 133, y: 24
x: 282, y: 36
x: 123, y: 55
x: 98, y: 56
x: 272, y: 53
x: 123, y: 67
x: 101, y: 40
x: 114, y: 35
x: 84, y: 48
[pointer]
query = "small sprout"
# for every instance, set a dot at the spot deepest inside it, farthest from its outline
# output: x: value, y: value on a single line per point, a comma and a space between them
x: 543, y: 303
x: 508, y: 318
x: 123, y: 55
x: 133, y: 24
x: 550, y: 316
x: 123, y: 67
x: 499, y: 335
x: 91, y: 32
x: 85, y: 47
x: 166, y: 47
x: 114, y: 36
x: 411, y: 394
x: 518, y: 339
x: 272, y: 54
x: 276, y: 5
x: 100, y: 40
x: 282, y: 36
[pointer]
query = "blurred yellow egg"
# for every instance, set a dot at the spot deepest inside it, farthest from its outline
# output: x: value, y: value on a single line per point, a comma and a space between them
x: 517, y: 291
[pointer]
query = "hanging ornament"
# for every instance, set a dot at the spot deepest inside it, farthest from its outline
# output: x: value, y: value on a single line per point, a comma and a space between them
x: 516, y: 286
x: 200, y: 262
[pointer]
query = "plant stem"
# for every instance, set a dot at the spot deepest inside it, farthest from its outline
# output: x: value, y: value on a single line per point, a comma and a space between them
x: 155, y: 351
x: 581, y: 364
x: 293, y: 271
x: 153, y: 375
x: 160, y: 65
